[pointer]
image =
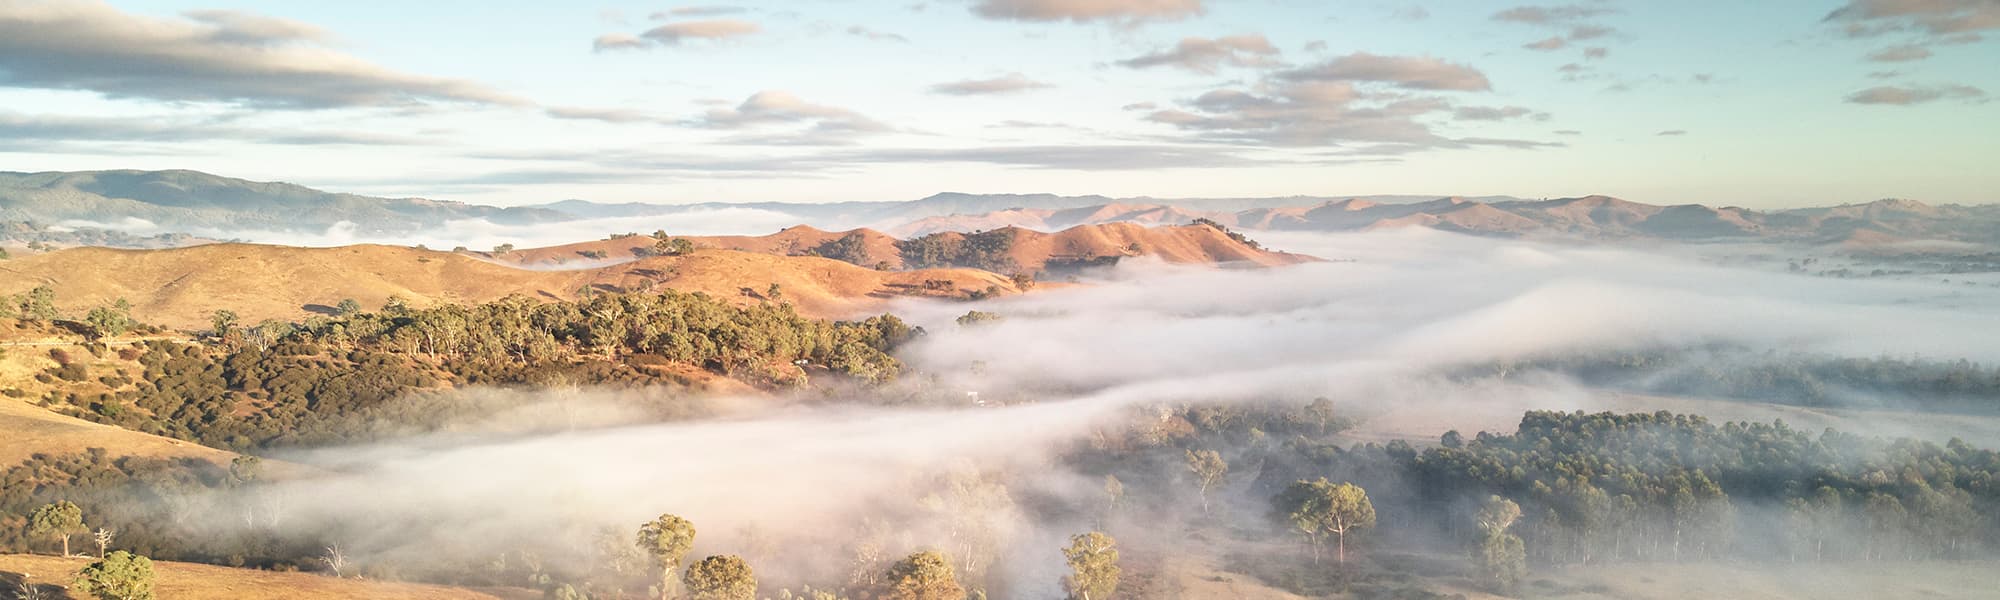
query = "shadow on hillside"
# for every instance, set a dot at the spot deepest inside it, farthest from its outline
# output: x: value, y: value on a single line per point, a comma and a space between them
x: 16, y: 585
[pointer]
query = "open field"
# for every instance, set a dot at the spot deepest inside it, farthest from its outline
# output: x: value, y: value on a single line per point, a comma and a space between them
x: 186, y: 581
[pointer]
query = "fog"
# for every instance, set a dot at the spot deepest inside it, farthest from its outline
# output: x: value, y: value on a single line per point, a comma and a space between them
x: 479, y: 234
x: 1386, y: 328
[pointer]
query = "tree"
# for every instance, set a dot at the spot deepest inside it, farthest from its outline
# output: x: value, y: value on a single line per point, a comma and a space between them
x: 667, y: 539
x: 666, y: 246
x: 347, y: 307
x: 1322, y: 413
x: 58, y: 520
x: 120, y: 576
x: 1114, y: 493
x: 334, y: 559
x: 1208, y: 468
x: 222, y: 322
x: 503, y: 249
x: 39, y: 304
x: 1093, y: 564
x: 1320, y: 507
x: 110, y: 321
x: 925, y: 575
x: 1501, y: 556
x: 978, y: 317
x: 244, y: 469
x: 103, y: 538
x: 721, y: 578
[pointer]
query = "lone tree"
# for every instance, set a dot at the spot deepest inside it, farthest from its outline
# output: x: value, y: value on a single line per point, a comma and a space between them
x: 103, y: 538
x: 668, y: 540
x: 110, y: 321
x: 1502, y: 557
x: 1320, y: 507
x: 59, y: 520
x: 1093, y: 564
x: 725, y: 577
x: 925, y: 575
x: 1208, y: 468
x: 347, y: 307
x: 120, y: 576
x: 222, y: 322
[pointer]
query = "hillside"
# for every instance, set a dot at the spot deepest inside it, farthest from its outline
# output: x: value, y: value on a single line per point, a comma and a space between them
x: 195, y: 202
x: 189, y: 581
x: 1025, y: 249
x: 183, y: 287
x: 1589, y: 217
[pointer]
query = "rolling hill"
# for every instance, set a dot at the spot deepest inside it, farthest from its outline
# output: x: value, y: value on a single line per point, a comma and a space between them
x: 191, y: 581
x: 182, y: 287
x: 1027, y: 250
x: 200, y: 203
x: 1588, y: 217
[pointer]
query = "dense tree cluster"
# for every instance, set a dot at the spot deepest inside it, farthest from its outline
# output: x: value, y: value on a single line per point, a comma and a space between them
x: 334, y: 379
x: 1805, y: 379
x: 1598, y: 488
x: 988, y: 250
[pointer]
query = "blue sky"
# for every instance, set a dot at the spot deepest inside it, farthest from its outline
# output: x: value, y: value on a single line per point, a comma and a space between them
x: 1763, y: 104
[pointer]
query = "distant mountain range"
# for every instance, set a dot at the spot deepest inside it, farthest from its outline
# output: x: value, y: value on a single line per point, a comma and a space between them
x: 188, y: 202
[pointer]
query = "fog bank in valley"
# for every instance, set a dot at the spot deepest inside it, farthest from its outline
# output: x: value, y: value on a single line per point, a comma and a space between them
x: 1403, y: 325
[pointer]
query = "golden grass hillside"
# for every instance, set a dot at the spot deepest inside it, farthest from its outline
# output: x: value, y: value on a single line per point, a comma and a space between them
x: 32, y: 430
x: 1031, y: 250
x: 188, y: 581
x: 182, y: 287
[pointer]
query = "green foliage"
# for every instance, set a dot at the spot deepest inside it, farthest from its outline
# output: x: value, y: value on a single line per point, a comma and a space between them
x: 1500, y: 556
x: 666, y: 540
x: 222, y: 322
x: 1318, y: 508
x: 38, y: 304
x: 1208, y: 469
x: 1093, y: 564
x: 503, y: 249
x: 725, y: 577
x: 851, y: 248
x: 120, y: 576
x: 347, y: 307
x: 985, y: 250
x: 57, y: 520
x: 977, y: 317
x: 923, y: 576
x: 110, y: 321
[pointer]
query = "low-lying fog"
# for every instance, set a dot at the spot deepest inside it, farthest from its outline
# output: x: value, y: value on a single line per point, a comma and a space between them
x: 1379, y: 328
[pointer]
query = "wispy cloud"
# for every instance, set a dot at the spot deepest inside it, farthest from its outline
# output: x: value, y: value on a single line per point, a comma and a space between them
x: 211, y: 56
x: 1208, y: 55
x: 1011, y: 83
x: 1122, y: 12
x: 1911, y: 95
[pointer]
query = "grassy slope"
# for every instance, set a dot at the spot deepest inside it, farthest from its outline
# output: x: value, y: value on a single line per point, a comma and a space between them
x: 186, y: 581
x: 181, y: 287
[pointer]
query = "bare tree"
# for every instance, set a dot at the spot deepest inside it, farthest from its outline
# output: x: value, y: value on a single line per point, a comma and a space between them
x: 103, y: 537
x: 27, y: 590
x: 334, y: 559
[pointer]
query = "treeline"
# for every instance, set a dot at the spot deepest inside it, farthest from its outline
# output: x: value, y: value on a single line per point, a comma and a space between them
x: 338, y: 379
x: 1605, y: 488
x: 986, y: 250
x: 1804, y: 379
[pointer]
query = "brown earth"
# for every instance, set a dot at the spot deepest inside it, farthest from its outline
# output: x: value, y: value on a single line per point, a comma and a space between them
x: 188, y: 581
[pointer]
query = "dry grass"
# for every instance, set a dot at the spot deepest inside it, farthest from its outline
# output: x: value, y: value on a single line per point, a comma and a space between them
x: 32, y: 430
x: 187, y: 581
x: 182, y: 287
x: 1888, y: 581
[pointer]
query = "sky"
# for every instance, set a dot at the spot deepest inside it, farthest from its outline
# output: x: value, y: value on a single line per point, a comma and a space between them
x: 1764, y: 104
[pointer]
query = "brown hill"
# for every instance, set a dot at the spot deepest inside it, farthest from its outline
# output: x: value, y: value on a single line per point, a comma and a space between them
x: 189, y: 581
x: 1602, y: 217
x: 35, y: 430
x: 182, y: 287
x: 1028, y: 249
x: 873, y: 247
